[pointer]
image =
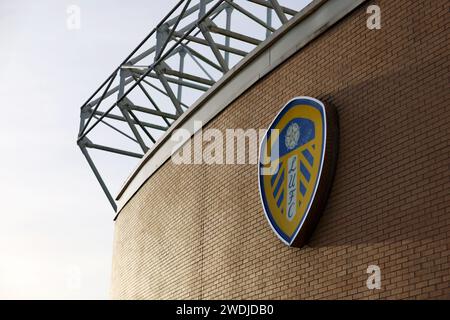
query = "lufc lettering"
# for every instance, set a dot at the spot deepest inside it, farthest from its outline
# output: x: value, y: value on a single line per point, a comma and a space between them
x: 292, y: 188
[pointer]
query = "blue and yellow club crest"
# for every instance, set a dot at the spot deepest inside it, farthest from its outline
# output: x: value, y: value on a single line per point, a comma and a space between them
x: 291, y: 161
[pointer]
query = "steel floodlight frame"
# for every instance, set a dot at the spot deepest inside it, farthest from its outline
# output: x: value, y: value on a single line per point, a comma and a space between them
x: 136, y: 76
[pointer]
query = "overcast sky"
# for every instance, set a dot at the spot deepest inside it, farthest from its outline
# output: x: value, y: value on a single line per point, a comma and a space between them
x: 56, y: 226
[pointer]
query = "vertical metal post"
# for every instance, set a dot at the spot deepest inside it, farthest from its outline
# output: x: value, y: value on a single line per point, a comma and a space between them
x: 176, y: 103
x: 83, y: 117
x: 213, y: 46
x: 228, y: 11
x: 126, y: 115
x: 201, y: 9
x: 269, y: 22
x: 279, y: 11
x: 161, y: 37
x: 182, y: 54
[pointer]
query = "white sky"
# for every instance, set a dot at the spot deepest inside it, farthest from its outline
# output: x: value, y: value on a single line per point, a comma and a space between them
x: 56, y: 227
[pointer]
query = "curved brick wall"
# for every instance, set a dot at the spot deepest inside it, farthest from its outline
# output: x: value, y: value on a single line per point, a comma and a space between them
x: 198, y: 231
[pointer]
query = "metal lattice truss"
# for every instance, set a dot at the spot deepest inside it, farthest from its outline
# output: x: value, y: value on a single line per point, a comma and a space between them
x: 187, y: 52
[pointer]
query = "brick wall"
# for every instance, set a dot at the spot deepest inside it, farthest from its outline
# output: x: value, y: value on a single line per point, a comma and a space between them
x: 198, y: 231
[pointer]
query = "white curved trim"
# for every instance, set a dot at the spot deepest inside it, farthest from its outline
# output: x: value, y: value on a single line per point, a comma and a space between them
x: 307, y: 25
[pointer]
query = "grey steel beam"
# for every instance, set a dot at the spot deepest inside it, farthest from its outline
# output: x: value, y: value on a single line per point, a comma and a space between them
x: 126, y: 115
x: 162, y: 35
x: 214, y: 48
x: 151, y: 100
x: 97, y: 174
x: 279, y: 11
x: 269, y: 5
x: 117, y: 130
x: 182, y: 55
x: 201, y: 57
x: 132, y: 124
x: 212, y: 16
x: 119, y: 118
x: 161, y: 91
x: 228, y: 12
x: 250, y: 15
x: 166, y: 85
x: 172, y: 80
x: 113, y: 150
x: 218, y: 45
x: 152, y: 112
x: 194, y: 58
x: 269, y: 22
x: 187, y: 76
x: 187, y: 13
x: 170, y: 34
x: 142, y: 126
x: 84, y: 113
x: 141, y: 56
x: 128, y: 80
x: 97, y: 105
x: 202, y: 8
x: 235, y: 35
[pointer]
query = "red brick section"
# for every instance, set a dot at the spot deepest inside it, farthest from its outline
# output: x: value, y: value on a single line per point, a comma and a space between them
x: 198, y: 231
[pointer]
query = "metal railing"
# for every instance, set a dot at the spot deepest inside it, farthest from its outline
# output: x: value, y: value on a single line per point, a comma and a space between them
x: 160, y: 85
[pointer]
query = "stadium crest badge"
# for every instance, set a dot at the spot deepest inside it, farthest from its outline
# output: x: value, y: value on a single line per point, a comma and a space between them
x: 297, y: 161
